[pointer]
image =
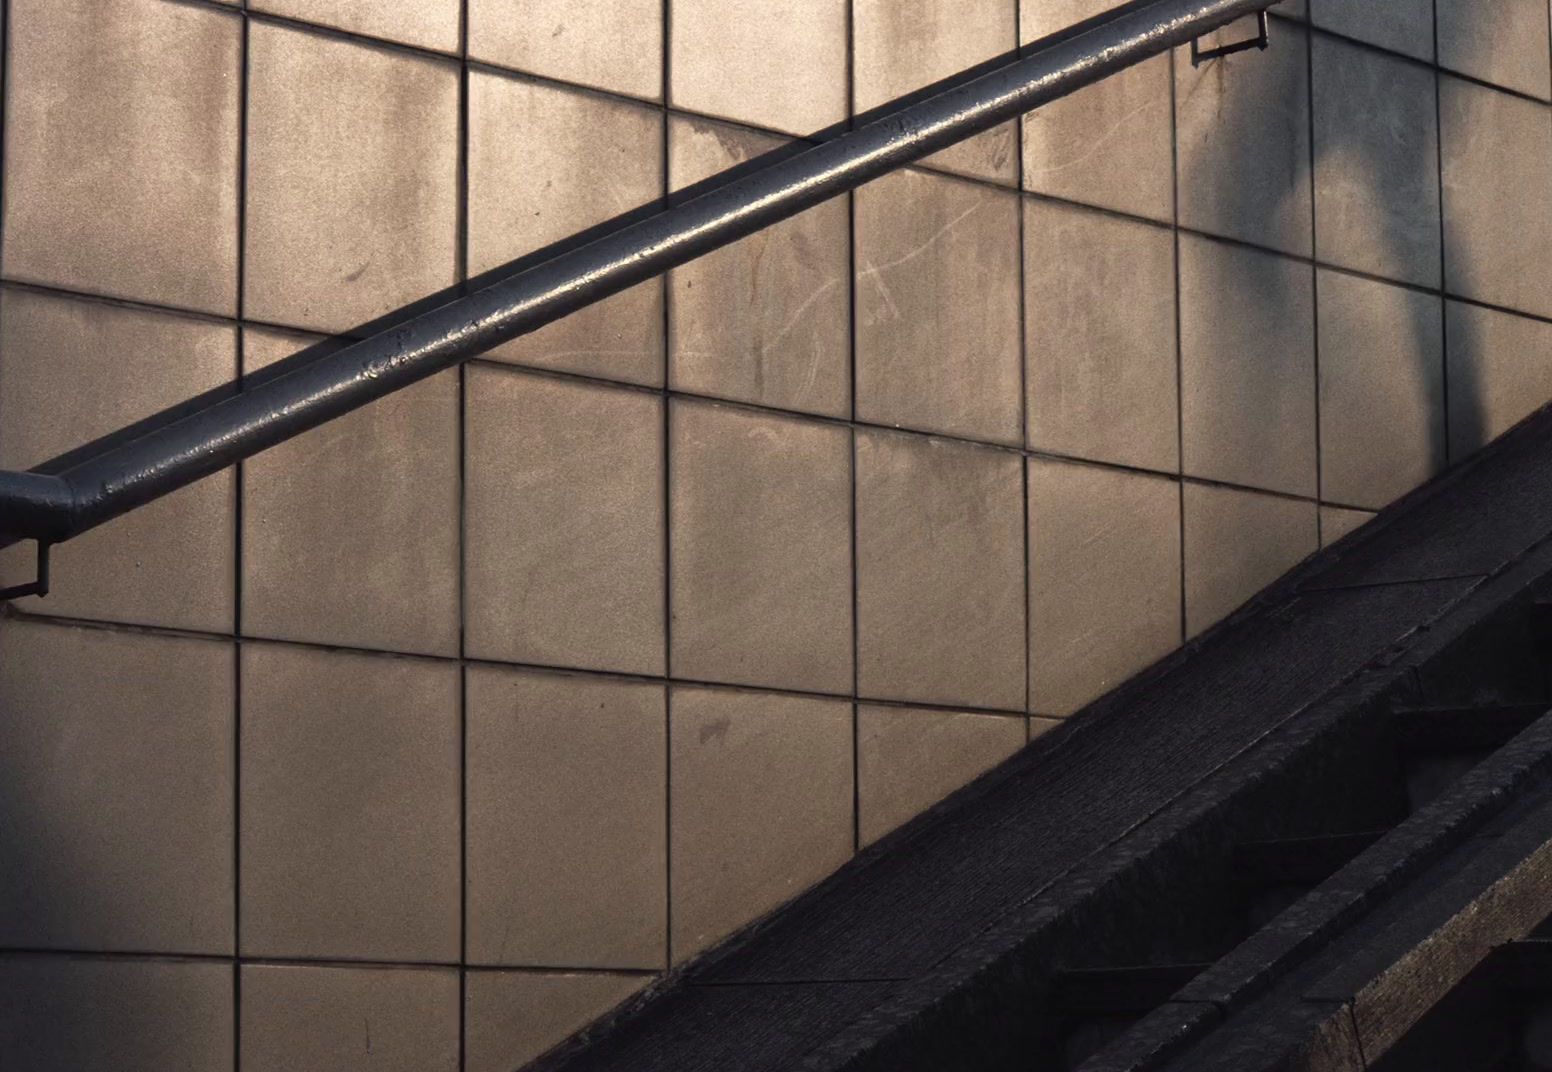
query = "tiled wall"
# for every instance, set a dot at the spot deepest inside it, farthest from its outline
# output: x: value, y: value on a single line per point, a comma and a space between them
x: 421, y: 740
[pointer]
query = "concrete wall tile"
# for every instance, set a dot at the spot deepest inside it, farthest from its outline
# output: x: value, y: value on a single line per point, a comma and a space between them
x: 580, y: 880
x: 940, y: 572
x: 760, y: 805
x: 761, y: 557
x: 350, y: 805
x: 122, y: 148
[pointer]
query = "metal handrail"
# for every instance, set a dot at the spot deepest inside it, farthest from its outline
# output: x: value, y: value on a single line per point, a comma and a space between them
x: 52, y: 503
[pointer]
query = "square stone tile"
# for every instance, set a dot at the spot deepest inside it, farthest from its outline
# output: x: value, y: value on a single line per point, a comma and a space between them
x: 1244, y: 155
x: 761, y: 557
x: 1376, y: 163
x: 1503, y: 42
x: 938, y: 337
x: 1237, y: 543
x: 1102, y: 377
x: 615, y: 45
x: 1381, y: 389
x: 563, y: 545
x: 1500, y: 371
x: 348, y: 1019
x: 350, y: 805
x: 116, y: 760
x: 899, y: 46
x: 1110, y: 144
x: 72, y: 371
x: 910, y: 758
x: 1247, y: 366
x: 760, y: 805
x: 1104, y: 580
x: 940, y: 572
x: 352, y: 179
x: 1404, y: 26
x: 429, y: 24
x: 1040, y: 725
x: 122, y: 142
x: 350, y: 532
x: 510, y: 1018
x: 1336, y: 522
x: 581, y: 879
x: 779, y: 64
x: 768, y: 319
x: 1497, y: 159
x: 127, y: 1015
x: 544, y: 163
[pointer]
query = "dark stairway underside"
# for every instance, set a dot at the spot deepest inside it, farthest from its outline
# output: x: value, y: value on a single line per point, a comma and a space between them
x: 1130, y: 887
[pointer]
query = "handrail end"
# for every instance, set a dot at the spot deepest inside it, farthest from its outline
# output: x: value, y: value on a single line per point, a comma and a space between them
x: 36, y: 506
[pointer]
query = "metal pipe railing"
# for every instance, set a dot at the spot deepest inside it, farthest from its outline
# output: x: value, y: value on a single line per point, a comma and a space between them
x: 52, y: 505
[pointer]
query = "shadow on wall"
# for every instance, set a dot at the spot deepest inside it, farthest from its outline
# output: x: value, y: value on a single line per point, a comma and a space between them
x: 1246, y: 158
x: 1283, y: 365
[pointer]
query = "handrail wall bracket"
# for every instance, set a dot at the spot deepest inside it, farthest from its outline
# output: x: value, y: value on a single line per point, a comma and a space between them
x: 1262, y: 40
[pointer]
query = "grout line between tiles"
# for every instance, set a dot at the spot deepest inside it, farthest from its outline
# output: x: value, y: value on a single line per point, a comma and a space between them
x: 1444, y: 311
x: 851, y: 364
x: 461, y: 274
x: 1024, y: 415
x: 666, y: 91
x: 1180, y: 406
x: 1314, y: 192
x: 239, y: 493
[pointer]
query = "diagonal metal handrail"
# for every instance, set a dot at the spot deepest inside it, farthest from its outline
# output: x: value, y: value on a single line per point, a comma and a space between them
x: 53, y: 504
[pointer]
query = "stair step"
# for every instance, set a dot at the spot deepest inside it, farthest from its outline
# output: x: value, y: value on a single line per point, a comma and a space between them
x: 1306, y: 861
x: 1121, y: 991
x: 1444, y: 730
